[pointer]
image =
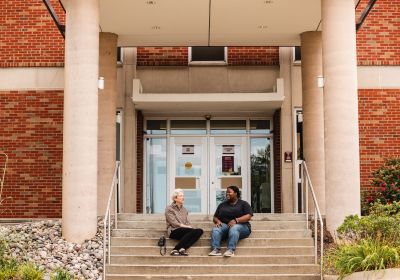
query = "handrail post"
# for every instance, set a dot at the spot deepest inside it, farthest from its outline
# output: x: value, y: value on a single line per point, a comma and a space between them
x: 104, y: 247
x: 306, y: 198
x: 107, y: 220
x: 317, y: 215
x: 115, y: 202
x: 315, y: 235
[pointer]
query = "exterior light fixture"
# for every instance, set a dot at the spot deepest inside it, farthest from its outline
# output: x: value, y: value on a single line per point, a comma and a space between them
x: 100, y: 83
x: 320, y: 81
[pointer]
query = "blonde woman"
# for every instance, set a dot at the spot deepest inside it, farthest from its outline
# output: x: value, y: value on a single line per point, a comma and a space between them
x: 178, y: 225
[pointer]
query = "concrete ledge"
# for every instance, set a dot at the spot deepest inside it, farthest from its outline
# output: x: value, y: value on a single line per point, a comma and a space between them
x: 34, y: 78
x: 384, y: 274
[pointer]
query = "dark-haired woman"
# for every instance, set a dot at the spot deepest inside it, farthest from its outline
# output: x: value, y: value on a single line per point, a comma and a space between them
x: 231, y: 221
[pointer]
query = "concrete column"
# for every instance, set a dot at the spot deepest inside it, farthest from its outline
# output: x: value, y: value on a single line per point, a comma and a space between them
x: 107, y: 111
x: 285, y: 62
x: 313, y: 112
x: 342, y: 165
x: 79, y: 200
x: 129, y: 154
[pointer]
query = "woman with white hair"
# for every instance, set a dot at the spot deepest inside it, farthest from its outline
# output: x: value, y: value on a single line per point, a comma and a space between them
x: 178, y: 225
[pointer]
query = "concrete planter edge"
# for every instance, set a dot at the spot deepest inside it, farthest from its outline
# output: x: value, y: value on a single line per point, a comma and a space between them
x: 384, y: 274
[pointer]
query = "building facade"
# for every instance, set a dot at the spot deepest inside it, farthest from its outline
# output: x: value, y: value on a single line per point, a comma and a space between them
x: 182, y: 116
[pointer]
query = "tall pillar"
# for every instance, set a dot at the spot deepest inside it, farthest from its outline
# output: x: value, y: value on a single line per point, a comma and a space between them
x: 285, y: 62
x: 130, y: 133
x: 107, y: 118
x: 79, y: 197
x: 313, y: 112
x: 342, y: 165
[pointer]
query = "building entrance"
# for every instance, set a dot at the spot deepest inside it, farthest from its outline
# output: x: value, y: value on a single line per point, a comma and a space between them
x: 206, y: 163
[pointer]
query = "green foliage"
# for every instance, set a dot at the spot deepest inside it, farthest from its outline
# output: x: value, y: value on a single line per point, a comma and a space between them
x: 61, y: 274
x: 29, y: 271
x: 8, y: 269
x: 387, y: 182
x: 369, y: 254
x: 367, y: 243
x: 383, y: 224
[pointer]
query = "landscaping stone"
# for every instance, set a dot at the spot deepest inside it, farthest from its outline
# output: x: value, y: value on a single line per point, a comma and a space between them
x: 42, y: 244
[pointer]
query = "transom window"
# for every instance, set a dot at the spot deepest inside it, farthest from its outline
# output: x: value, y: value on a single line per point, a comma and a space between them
x: 207, y: 55
x: 212, y: 127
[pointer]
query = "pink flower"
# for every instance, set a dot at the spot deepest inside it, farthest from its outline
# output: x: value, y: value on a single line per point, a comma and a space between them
x: 383, y: 184
x: 383, y: 189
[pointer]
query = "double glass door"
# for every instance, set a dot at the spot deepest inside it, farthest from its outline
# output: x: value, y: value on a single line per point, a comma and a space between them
x: 204, y: 167
x: 204, y: 157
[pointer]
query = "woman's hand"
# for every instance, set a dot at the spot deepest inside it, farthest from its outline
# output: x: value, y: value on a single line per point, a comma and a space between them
x: 185, y: 226
x: 232, y: 223
x: 217, y: 222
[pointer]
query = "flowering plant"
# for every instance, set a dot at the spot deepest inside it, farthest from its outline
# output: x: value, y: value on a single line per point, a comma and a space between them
x: 387, y: 181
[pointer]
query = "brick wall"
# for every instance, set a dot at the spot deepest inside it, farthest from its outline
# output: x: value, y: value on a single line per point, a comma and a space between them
x: 162, y: 56
x: 139, y: 159
x: 253, y: 56
x: 277, y: 161
x: 378, y: 40
x: 29, y: 37
x: 31, y: 135
x: 379, y: 125
x: 178, y: 56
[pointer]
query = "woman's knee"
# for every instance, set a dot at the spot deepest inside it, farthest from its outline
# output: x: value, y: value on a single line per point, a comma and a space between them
x: 234, y: 231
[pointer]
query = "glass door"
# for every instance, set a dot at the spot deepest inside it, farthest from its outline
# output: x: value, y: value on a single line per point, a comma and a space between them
x: 188, y: 162
x: 228, y: 166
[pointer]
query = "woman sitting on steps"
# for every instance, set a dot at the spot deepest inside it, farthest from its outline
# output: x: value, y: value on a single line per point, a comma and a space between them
x: 178, y: 225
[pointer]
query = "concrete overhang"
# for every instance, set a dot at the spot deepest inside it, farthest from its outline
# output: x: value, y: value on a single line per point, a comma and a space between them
x: 215, y: 104
x: 209, y: 22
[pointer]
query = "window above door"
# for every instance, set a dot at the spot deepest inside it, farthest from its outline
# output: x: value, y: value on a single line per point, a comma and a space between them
x: 208, y: 55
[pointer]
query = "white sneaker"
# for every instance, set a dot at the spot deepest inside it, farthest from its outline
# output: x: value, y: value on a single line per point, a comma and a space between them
x: 215, y: 252
x: 229, y: 253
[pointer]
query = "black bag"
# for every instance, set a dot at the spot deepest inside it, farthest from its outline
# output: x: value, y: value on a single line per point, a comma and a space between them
x: 162, y: 243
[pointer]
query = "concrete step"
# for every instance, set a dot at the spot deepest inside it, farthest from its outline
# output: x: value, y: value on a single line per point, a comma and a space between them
x: 183, y: 269
x: 214, y: 277
x: 237, y: 259
x: 203, y: 251
x: 199, y: 217
x: 150, y: 225
x: 287, y: 233
x: 249, y: 242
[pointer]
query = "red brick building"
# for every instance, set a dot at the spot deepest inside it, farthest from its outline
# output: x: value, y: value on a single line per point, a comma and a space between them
x: 248, y: 94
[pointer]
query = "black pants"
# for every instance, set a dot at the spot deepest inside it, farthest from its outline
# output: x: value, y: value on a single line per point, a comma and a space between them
x: 186, y: 236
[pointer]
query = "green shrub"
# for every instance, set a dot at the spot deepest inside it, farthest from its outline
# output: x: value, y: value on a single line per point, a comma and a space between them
x: 8, y: 269
x: 61, y: 274
x: 386, y: 180
x: 383, y: 224
x: 29, y: 271
x: 366, y: 255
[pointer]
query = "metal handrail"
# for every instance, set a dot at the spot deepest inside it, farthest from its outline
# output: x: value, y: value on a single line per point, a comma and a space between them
x: 306, y: 180
x: 107, y: 218
x: 4, y: 173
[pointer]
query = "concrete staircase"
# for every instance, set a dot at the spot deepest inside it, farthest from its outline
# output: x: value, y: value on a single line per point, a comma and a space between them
x: 279, y: 248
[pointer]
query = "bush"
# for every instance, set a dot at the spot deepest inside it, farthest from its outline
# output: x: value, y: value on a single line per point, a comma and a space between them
x: 29, y: 271
x: 369, y: 254
x: 61, y: 274
x: 383, y: 224
x: 367, y: 243
x: 387, y: 182
x: 8, y: 269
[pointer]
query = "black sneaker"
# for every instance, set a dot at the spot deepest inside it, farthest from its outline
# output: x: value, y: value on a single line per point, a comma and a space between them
x: 183, y: 252
x: 175, y: 253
